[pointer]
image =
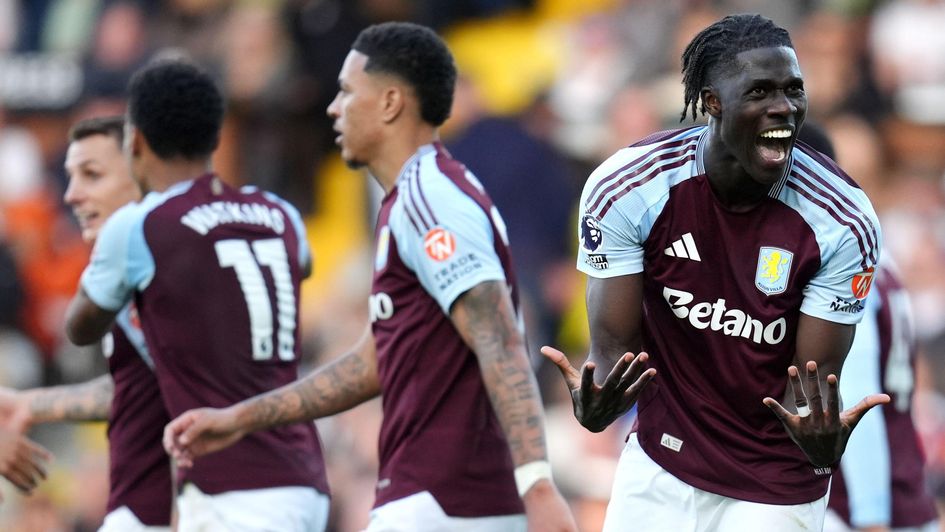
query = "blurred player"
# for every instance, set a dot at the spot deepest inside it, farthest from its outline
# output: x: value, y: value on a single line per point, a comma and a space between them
x: 462, y: 420
x: 731, y: 256
x: 139, y: 471
x: 880, y: 484
x: 214, y: 273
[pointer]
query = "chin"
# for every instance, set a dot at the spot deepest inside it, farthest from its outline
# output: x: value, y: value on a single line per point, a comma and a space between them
x: 89, y: 235
x: 354, y: 164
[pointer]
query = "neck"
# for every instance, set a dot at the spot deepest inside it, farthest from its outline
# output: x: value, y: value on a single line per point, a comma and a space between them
x: 733, y: 186
x: 166, y: 173
x: 396, y: 150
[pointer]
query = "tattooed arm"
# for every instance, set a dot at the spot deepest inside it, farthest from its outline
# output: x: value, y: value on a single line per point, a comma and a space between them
x: 486, y: 320
x: 89, y: 401
x: 338, y: 386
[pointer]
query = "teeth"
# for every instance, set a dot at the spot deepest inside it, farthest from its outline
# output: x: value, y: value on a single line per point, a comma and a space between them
x: 777, y: 134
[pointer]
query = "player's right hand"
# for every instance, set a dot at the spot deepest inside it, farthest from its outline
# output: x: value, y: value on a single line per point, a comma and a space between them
x: 597, y: 406
x: 22, y: 461
x: 200, y: 431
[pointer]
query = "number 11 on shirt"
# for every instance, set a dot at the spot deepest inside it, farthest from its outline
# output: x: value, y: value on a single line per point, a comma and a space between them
x: 247, y: 263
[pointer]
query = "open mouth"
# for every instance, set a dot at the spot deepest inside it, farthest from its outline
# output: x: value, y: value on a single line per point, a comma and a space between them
x: 773, y: 145
x: 85, y: 219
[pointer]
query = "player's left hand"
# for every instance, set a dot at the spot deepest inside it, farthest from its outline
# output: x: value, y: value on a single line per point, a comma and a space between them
x: 821, y: 434
x: 547, y: 510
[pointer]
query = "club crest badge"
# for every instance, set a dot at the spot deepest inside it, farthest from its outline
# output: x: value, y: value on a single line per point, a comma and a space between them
x: 591, y: 237
x: 773, y: 271
x: 383, y: 247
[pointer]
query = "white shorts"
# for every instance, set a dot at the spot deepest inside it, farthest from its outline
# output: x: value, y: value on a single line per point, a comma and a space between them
x: 283, y: 509
x: 833, y: 523
x: 647, y: 497
x: 421, y: 513
x: 122, y: 519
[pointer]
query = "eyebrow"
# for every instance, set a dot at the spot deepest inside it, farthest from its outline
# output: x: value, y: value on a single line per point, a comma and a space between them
x: 772, y: 81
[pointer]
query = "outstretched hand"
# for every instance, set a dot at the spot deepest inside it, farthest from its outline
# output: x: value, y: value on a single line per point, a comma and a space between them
x: 198, y: 432
x: 22, y: 461
x: 821, y: 434
x: 597, y: 406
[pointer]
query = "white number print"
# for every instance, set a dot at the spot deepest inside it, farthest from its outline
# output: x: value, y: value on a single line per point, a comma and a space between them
x: 380, y: 306
x: 900, y: 380
x: 246, y: 263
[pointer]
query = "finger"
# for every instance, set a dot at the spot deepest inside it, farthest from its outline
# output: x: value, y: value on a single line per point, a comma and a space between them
x: 815, y: 398
x: 30, y: 461
x: 833, y: 396
x: 183, y: 460
x: 615, y: 378
x: 33, y: 465
x: 37, y: 470
x: 587, y: 376
x: 852, y: 416
x: 19, y: 479
x: 168, y: 439
x: 800, y: 399
x: 570, y: 374
x: 37, y: 451
x: 638, y: 385
x: 173, y: 430
x: 636, y: 366
x: 783, y: 415
x: 191, y: 434
x: 634, y: 371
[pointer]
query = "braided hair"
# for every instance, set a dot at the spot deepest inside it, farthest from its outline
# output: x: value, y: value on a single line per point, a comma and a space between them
x: 718, y: 45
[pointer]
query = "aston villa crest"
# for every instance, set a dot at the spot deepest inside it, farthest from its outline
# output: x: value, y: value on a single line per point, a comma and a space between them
x: 774, y: 268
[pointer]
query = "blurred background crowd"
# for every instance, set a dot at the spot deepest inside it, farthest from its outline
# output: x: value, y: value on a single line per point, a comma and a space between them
x: 548, y: 89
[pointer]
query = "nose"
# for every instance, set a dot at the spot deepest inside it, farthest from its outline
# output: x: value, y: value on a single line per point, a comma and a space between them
x: 333, y: 108
x: 781, y: 104
x: 73, y: 194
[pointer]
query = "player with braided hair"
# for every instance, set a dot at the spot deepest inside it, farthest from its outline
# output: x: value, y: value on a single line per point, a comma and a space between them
x: 719, y: 259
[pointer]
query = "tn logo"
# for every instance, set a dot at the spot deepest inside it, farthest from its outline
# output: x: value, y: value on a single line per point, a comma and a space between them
x: 439, y: 244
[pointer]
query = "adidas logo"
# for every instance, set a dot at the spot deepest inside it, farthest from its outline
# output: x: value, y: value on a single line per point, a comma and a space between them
x: 684, y: 248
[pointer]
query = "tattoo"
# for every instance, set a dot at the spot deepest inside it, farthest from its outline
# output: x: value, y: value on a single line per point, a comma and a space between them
x: 342, y: 384
x: 89, y: 401
x: 487, y: 322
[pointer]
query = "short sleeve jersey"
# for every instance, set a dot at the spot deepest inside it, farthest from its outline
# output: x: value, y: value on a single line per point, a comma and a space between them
x: 215, y: 274
x: 438, y: 235
x: 139, y: 470
x: 880, y: 479
x: 723, y: 292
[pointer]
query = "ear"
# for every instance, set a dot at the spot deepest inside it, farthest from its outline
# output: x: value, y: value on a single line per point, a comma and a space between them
x: 135, y: 141
x: 711, y: 102
x: 392, y: 102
